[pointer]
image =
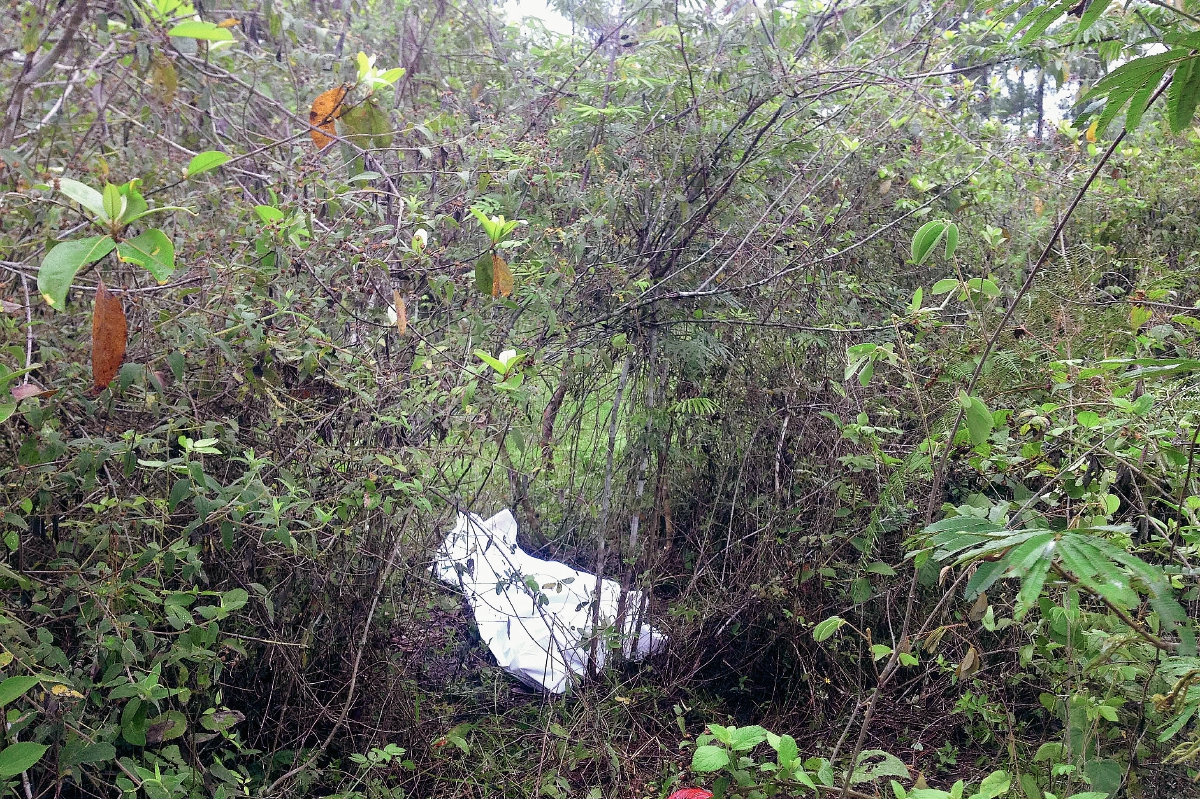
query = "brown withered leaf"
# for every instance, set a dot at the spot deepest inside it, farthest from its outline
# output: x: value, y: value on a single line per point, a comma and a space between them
x: 325, y: 109
x: 109, y: 335
x: 502, y: 279
x: 401, y: 311
x: 969, y: 665
x: 979, y: 609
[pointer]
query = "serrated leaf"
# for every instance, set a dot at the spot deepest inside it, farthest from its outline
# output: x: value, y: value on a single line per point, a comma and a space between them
x: 64, y: 261
x: 15, y: 687
x: 709, y: 758
x: 1183, y: 94
x: 20, y: 757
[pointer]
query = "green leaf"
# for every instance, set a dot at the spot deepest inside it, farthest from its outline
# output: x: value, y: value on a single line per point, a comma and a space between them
x: 1183, y: 94
x: 96, y: 753
x: 951, y: 239
x: 20, y: 757
x: 827, y: 628
x: 788, y: 751
x: 62, y: 263
x: 206, y: 31
x: 1094, y: 10
x: 925, y: 239
x: 153, y: 251
x: 944, y: 286
x: 709, y: 758
x: 979, y: 420
x: 85, y: 195
x: 744, y: 738
x: 995, y: 784
x: 206, y: 161
x: 483, y: 273
x: 268, y: 213
x: 14, y: 687
x: 114, y: 203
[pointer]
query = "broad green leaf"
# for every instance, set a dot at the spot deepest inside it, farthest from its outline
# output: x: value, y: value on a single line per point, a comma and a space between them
x: 96, y: 753
x: 151, y: 250
x: 483, y: 273
x: 709, y: 758
x: 788, y: 750
x: 268, y: 213
x: 745, y: 738
x: 62, y: 263
x: 827, y: 628
x: 925, y: 239
x: 14, y: 687
x: 979, y: 420
x: 85, y: 195
x: 20, y: 757
x: 951, y: 239
x: 206, y: 31
x: 206, y: 161
x: 944, y: 286
x: 995, y: 784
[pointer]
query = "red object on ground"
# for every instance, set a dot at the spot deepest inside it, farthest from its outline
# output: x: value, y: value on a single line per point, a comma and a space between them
x: 691, y: 793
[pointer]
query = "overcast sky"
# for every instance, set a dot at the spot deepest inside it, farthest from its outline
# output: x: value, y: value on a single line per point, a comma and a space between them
x: 516, y: 9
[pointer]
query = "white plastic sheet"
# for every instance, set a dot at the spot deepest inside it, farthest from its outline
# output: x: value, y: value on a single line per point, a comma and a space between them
x: 534, y: 615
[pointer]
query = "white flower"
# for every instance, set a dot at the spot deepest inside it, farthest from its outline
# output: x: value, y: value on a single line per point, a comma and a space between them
x: 507, y: 356
x: 420, y: 239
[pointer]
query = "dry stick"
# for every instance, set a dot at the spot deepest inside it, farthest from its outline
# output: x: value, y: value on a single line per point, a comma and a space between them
x: 892, y: 666
x: 37, y: 71
x: 384, y: 574
x: 605, y: 504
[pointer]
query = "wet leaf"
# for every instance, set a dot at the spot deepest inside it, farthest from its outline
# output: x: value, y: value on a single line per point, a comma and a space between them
x: 325, y: 109
x: 108, y: 337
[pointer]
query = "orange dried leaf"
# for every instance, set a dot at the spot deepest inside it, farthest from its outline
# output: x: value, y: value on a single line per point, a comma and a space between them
x: 502, y: 279
x: 231, y: 22
x: 325, y: 109
x: 109, y: 335
x: 401, y: 311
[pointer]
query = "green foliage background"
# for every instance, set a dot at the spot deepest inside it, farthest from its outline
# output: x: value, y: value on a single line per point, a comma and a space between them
x: 823, y: 448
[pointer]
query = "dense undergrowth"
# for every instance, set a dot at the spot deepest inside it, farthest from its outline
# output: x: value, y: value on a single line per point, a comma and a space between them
x: 824, y: 325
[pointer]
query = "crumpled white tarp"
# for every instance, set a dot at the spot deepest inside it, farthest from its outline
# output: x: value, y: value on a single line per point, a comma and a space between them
x: 535, y: 615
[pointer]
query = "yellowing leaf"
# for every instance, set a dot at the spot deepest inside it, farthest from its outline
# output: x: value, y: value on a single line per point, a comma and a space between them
x: 325, y: 109
x: 1038, y: 206
x: 502, y: 279
x: 62, y: 690
x: 231, y: 22
x: 109, y: 335
x: 1091, y: 131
